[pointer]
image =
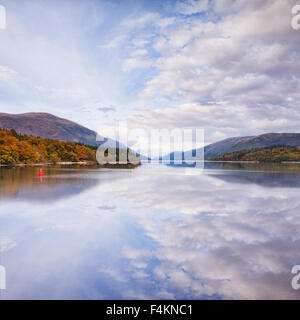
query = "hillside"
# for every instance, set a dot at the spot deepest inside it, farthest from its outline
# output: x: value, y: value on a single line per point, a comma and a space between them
x: 268, y: 154
x: 22, y: 149
x: 16, y: 149
x: 248, y: 143
x: 46, y: 125
x: 245, y: 143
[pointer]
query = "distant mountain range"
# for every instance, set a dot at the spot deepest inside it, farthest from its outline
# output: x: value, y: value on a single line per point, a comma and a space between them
x: 252, y: 142
x: 245, y: 143
x: 46, y: 125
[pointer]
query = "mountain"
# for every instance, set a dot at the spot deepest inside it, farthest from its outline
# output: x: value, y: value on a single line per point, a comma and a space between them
x: 46, y: 125
x: 246, y: 143
x: 252, y: 142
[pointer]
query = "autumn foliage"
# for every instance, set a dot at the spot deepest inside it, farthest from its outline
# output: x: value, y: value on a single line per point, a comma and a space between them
x: 16, y: 148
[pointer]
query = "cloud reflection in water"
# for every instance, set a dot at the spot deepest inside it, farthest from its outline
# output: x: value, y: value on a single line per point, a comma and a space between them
x: 228, y: 233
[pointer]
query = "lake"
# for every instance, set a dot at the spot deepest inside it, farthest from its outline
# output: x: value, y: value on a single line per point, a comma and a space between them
x: 231, y: 232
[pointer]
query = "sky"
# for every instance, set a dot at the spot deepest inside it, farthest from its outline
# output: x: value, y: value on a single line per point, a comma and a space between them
x: 226, y: 66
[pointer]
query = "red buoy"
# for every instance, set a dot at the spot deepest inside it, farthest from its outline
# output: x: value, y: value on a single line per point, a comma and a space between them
x: 41, y: 173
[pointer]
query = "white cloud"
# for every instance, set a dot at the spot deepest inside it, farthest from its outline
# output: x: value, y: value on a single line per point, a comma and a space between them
x: 115, y: 42
x: 219, y: 121
x: 148, y: 18
x: 54, y: 67
x: 139, y: 52
x: 241, y: 71
x: 191, y: 6
x: 114, y: 274
x: 224, y: 58
x: 216, y: 245
x: 136, y: 63
x: 6, y: 244
x: 7, y: 73
x: 140, y: 42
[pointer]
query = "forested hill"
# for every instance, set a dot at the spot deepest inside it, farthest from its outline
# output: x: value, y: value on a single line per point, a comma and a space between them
x: 268, y: 154
x: 237, y: 144
x: 22, y: 149
x: 16, y: 148
x: 248, y: 143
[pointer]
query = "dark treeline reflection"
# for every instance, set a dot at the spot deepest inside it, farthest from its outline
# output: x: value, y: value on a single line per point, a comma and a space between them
x: 264, y: 174
x: 254, y: 166
x: 24, y: 182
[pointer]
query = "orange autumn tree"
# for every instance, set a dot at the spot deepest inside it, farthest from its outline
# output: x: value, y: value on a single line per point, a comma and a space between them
x: 16, y: 148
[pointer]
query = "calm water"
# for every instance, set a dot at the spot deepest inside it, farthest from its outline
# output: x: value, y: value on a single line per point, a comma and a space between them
x: 153, y: 232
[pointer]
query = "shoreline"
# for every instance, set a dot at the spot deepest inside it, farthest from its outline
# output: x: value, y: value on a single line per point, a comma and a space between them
x: 82, y: 163
x: 235, y: 161
x: 252, y: 161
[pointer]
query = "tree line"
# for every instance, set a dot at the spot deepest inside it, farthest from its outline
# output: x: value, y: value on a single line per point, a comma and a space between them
x: 267, y: 154
x: 17, y: 148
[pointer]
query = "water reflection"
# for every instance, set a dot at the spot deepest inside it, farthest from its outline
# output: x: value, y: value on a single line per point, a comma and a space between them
x: 153, y: 233
x: 24, y: 183
x: 264, y: 174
